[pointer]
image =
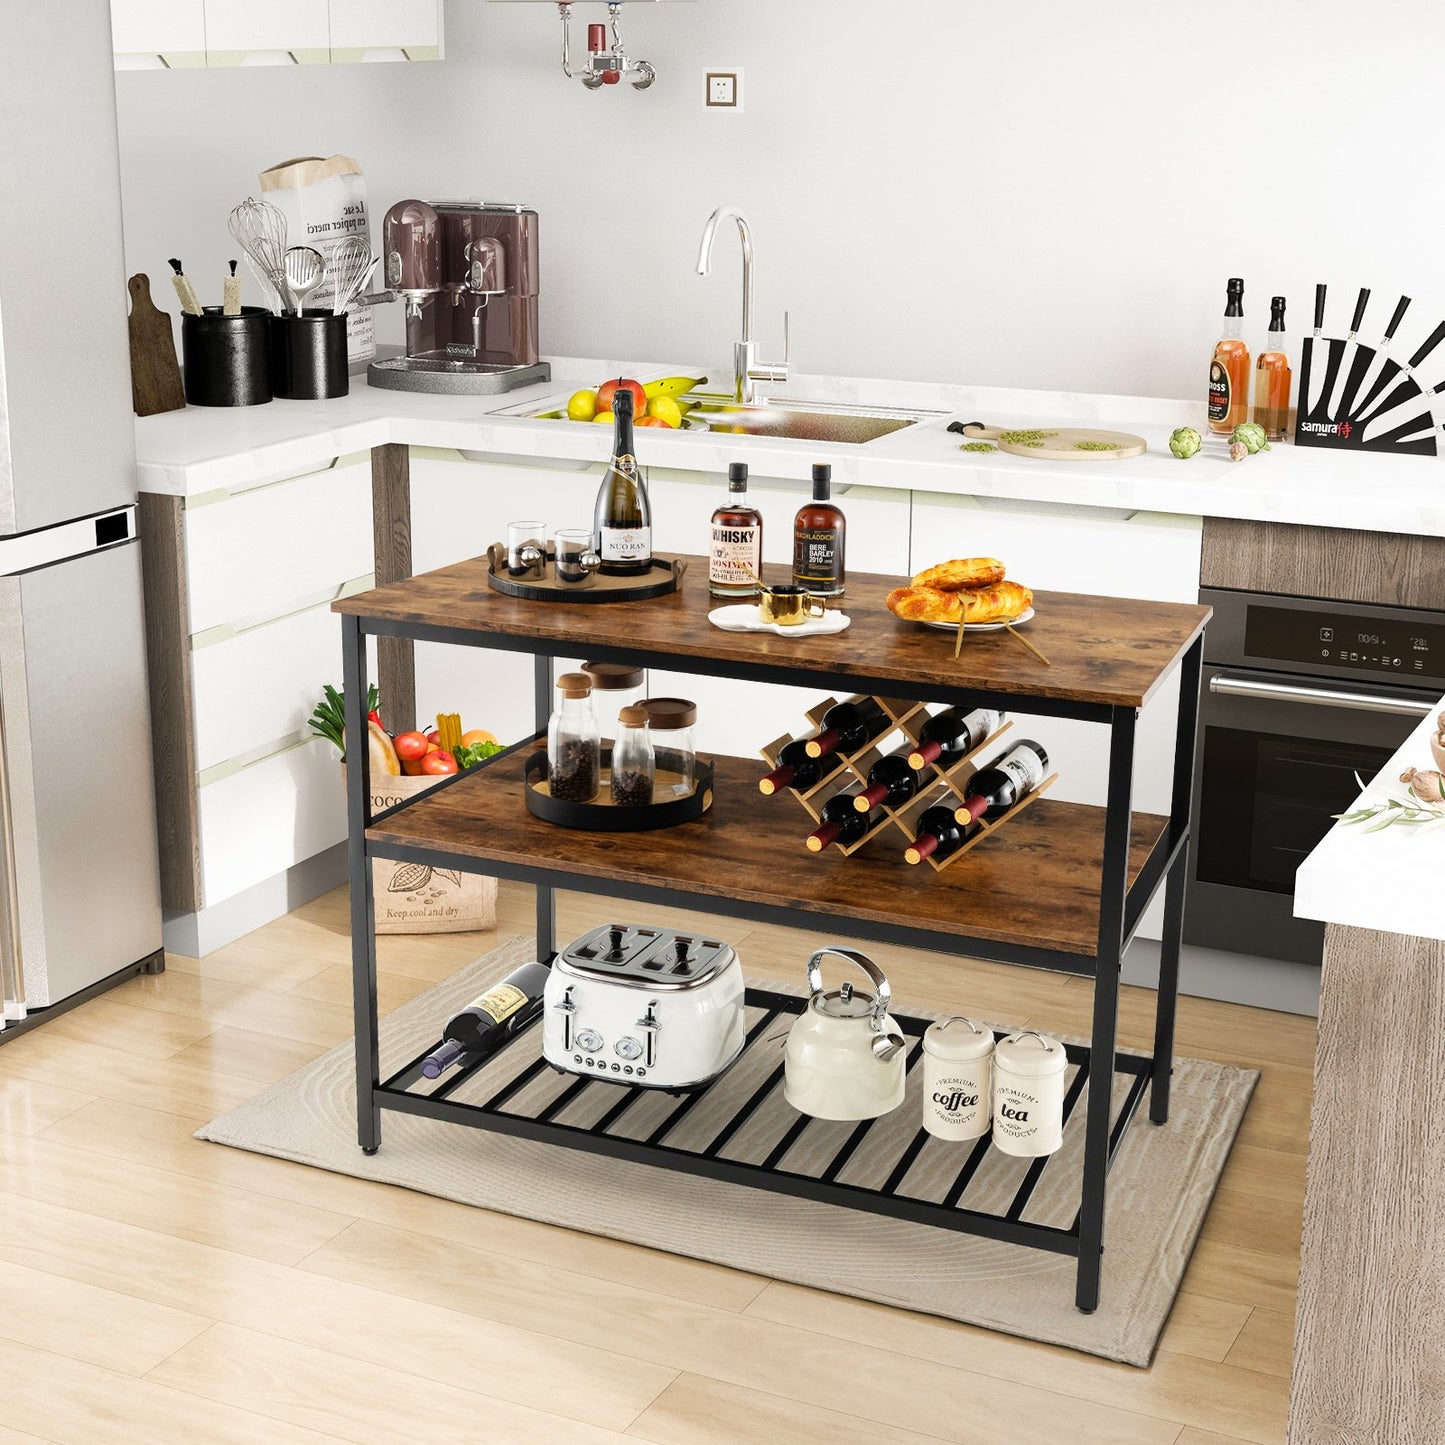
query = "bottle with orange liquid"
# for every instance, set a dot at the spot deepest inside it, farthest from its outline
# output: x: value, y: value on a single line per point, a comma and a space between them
x: 1272, y: 378
x: 1229, y: 367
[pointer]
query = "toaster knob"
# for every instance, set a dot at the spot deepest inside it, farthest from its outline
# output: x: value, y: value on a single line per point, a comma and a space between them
x: 589, y: 1040
x: 627, y: 1047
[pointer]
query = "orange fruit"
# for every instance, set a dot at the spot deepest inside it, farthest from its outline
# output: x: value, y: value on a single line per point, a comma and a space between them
x: 477, y: 735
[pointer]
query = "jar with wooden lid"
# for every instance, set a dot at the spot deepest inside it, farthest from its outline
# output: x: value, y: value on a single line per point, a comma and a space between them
x: 615, y: 685
x: 672, y: 720
x: 633, y: 761
x: 574, y: 744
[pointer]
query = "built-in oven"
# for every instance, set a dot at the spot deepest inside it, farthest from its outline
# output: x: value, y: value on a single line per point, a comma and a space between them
x: 1298, y: 699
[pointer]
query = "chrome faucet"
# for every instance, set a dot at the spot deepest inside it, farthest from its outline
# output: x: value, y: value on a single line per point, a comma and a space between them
x: 747, y: 370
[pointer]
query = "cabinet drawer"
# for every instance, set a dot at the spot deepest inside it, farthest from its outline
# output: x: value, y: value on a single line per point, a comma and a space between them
x: 259, y: 821
x: 267, y: 25
x: 385, y: 24
x: 266, y: 552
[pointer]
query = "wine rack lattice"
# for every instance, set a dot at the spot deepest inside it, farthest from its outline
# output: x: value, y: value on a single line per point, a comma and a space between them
x: 945, y: 784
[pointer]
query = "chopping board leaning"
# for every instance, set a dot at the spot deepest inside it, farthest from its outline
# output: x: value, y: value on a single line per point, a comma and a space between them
x: 155, y: 375
x: 1055, y: 444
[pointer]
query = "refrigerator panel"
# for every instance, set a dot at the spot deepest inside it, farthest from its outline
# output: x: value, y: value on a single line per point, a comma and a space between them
x: 77, y: 748
x: 67, y: 433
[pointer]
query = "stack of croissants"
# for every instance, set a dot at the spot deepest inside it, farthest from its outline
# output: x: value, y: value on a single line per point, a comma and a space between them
x: 969, y: 588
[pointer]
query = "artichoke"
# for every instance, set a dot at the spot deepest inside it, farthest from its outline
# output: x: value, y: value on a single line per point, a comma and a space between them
x: 1238, y: 451
x: 1252, y: 435
x: 1184, y: 442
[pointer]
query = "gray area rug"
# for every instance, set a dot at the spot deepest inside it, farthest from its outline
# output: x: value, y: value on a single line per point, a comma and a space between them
x: 1159, y: 1190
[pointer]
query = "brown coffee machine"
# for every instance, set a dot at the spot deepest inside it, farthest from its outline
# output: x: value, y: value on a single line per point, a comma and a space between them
x: 467, y: 275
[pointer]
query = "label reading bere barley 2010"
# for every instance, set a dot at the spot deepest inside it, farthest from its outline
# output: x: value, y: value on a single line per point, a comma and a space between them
x: 815, y: 557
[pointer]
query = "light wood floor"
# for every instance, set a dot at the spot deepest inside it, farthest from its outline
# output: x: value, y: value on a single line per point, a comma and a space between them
x: 156, y: 1289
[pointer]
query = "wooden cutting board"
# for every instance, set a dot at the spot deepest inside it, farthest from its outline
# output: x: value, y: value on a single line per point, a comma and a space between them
x: 155, y: 376
x: 1057, y: 444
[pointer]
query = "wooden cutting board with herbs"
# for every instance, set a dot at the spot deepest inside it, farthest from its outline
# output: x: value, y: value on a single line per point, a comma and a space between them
x: 1055, y: 444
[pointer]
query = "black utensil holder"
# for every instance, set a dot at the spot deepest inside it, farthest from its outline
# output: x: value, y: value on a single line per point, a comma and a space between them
x: 227, y: 359
x: 308, y: 356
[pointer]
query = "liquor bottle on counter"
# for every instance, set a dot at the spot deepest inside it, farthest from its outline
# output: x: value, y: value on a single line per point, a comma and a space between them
x: 818, y: 537
x: 848, y: 726
x: 993, y: 790
x: 1272, y: 379
x: 948, y: 735
x: 623, y: 517
x: 1229, y: 367
x: 841, y: 822
x: 939, y: 834
x: 891, y: 782
x: 735, y: 557
x: 796, y: 770
x: 505, y: 1009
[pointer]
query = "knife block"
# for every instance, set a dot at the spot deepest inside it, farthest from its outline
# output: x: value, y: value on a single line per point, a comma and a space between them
x: 1318, y: 426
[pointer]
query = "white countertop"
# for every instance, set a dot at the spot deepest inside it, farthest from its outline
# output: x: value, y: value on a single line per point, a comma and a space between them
x: 198, y: 450
x: 1385, y: 880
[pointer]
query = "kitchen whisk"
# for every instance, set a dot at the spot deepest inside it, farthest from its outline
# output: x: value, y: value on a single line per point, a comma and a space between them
x: 259, y: 229
x: 305, y: 271
x: 351, y: 264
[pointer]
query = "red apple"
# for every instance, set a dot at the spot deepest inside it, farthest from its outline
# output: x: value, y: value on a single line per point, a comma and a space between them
x: 439, y: 762
x: 409, y: 745
x: 609, y: 389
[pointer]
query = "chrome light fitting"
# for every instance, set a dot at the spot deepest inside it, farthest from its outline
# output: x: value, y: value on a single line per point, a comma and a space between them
x: 607, y: 62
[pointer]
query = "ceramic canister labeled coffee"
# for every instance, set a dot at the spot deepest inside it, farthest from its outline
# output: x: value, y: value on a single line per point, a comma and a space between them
x: 1028, y: 1094
x: 957, y: 1079
x: 845, y: 1055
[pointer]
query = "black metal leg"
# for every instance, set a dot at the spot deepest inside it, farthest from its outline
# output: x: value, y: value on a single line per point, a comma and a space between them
x: 363, y: 920
x: 1113, y: 880
x: 1168, y: 1002
x: 546, y: 895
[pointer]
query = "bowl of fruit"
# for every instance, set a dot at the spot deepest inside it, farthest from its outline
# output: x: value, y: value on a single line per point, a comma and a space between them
x: 662, y: 403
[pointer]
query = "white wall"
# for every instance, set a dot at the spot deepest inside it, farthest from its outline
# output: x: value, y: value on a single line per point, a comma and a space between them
x: 1050, y: 194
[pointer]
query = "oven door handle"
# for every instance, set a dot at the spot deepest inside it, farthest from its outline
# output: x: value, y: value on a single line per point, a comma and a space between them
x: 1320, y: 696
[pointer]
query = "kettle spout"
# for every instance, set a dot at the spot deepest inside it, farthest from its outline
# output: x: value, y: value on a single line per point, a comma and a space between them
x: 888, y: 1046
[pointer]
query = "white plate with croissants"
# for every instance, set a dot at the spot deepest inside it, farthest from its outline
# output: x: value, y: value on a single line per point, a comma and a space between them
x: 973, y: 590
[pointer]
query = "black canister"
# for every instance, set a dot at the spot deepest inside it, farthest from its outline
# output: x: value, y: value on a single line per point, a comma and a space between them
x: 227, y: 359
x: 308, y: 356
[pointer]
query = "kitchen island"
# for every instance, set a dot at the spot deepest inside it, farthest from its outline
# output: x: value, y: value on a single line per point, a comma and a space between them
x: 1368, y: 1352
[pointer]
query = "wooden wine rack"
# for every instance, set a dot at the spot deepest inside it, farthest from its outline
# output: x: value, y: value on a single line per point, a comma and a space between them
x: 946, y: 784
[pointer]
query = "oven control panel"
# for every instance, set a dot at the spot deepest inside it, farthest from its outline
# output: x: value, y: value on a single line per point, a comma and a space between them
x: 1335, y: 638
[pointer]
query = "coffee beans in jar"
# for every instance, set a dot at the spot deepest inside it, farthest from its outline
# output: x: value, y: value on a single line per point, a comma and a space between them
x: 574, y: 746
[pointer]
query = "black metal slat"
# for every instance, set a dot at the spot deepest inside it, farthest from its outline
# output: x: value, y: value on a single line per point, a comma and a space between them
x: 915, y: 1146
x: 970, y: 1168
x: 693, y: 1100
x: 562, y: 1100
x: 1131, y: 1103
x: 493, y: 1104
x: 780, y: 1150
x: 753, y: 1104
x: 1036, y: 1168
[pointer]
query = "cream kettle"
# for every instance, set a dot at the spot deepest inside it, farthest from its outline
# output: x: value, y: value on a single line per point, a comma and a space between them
x: 845, y: 1056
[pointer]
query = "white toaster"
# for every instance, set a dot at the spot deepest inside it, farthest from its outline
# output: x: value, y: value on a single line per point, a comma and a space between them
x: 648, y: 1006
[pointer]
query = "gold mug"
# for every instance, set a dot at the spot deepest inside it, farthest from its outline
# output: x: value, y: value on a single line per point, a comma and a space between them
x: 789, y: 606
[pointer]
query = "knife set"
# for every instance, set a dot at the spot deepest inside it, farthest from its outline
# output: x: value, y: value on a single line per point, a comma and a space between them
x: 1358, y: 397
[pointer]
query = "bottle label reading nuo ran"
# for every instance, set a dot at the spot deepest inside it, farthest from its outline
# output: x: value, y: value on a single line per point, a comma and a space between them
x: 625, y: 544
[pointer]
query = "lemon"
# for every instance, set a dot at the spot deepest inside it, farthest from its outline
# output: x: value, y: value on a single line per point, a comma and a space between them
x: 664, y: 408
x: 582, y: 405
x: 605, y: 417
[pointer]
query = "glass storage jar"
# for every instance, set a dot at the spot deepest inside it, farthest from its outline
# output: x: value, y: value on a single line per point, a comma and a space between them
x: 633, y: 760
x: 574, y: 745
x: 615, y: 685
x: 672, y: 720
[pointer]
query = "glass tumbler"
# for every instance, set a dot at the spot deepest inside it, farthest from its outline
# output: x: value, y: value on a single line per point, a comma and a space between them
x: 577, y: 558
x: 526, y: 549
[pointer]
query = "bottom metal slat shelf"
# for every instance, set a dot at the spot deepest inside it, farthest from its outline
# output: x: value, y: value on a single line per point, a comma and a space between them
x: 862, y: 1166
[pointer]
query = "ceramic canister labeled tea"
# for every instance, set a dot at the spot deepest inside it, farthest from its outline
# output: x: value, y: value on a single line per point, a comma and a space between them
x: 1028, y: 1094
x: 957, y: 1079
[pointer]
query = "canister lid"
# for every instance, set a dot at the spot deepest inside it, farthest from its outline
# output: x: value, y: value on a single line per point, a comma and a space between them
x: 668, y: 714
x: 1032, y: 1054
x: 958, y: 1038
x: 634, y: 716
x: 575, y: 684
x: 614, y: 676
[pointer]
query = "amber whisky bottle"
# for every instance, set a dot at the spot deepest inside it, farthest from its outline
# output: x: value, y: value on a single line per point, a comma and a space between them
x: 1229, y: 367
x: 818, y: 538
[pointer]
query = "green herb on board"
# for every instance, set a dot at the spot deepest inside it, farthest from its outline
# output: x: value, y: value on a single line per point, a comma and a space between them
x: 1096, y: 446
x: 978, y: 447
x: 1026, y: 438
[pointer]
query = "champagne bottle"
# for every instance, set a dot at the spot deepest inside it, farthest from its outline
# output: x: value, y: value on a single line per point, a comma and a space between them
x: 796, y: 770
x: 939, y: 834
x: 848, y: 726
x: 623, y: 517
x: 946, y: 737
x: 842, y: 822
x: 890, y: 781
x: 505, y: 1009
x: 993, y: 790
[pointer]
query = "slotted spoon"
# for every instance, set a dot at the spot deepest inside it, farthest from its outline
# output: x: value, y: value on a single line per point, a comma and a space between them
x: 305, y: 271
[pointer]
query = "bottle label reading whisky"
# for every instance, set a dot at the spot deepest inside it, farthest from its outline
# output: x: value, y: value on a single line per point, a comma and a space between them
x: 1219, y: 389
x: 733, y: 558
x: 815, y: 558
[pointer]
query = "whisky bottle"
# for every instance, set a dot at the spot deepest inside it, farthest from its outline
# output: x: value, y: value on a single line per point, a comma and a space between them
x: 818, y: 536
x: 735, y: 557
x: 1229, y: 367
x: 1272, y: 377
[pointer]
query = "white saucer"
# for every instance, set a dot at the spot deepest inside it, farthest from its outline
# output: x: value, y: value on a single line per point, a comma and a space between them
x: 743, y: 617
x: 1023, y: 616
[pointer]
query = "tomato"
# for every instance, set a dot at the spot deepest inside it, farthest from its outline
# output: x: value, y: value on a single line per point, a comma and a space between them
x: 609, y: 389
x: 438, y: 763
x: 409, y: 745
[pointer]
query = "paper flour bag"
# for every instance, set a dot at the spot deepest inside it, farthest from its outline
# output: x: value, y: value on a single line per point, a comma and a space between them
x: 323, y: 201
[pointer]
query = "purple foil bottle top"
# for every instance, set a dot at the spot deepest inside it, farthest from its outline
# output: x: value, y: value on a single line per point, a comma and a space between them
x: 441, y: 1059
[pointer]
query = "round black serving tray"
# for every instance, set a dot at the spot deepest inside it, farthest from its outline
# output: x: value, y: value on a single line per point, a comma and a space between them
x: 665, y: 577
x: 601, y: 816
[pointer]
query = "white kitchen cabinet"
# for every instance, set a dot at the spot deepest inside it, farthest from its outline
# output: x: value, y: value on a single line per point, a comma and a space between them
x: 301, y: 28
x: 159, y: 27
x: 366, y: 29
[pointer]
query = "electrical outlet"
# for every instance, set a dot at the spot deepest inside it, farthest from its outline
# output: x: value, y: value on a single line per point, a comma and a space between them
x: 723, y: 90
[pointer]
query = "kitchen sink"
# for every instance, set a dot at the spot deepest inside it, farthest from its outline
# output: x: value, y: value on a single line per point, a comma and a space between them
x: 809, y: 421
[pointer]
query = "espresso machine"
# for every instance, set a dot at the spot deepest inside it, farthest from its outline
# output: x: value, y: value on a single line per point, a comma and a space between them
x: 466, y: 273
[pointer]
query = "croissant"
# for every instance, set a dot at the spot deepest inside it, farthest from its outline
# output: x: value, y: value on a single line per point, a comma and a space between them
x: 1002, y: 602
x: 961, y: 572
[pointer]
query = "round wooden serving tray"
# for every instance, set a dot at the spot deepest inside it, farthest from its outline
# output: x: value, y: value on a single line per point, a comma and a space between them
x: 601, y: 816
x: 666, y: 577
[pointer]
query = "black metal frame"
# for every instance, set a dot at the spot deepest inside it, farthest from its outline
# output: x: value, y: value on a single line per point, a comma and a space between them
x: 1121, y: 908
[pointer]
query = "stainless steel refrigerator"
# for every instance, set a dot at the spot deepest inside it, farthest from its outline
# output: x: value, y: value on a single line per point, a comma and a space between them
x: 79, y: 881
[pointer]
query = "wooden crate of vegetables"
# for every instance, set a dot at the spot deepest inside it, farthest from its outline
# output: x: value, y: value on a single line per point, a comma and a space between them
x: 412, y: 897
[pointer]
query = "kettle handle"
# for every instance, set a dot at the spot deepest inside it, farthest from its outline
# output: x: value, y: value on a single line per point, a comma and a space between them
x: 882, y: 995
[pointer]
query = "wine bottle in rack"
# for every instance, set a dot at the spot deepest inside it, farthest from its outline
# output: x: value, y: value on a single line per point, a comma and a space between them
x: 946, y: 737
x: 796, y: 770
x: 848, y: 726
x: 939, y: 834
x: 891, y: 781
x: 1012, y: 776
x: 841, y: 822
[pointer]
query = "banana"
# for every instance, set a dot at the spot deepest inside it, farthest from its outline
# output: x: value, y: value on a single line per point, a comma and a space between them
x: 672, y: 386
